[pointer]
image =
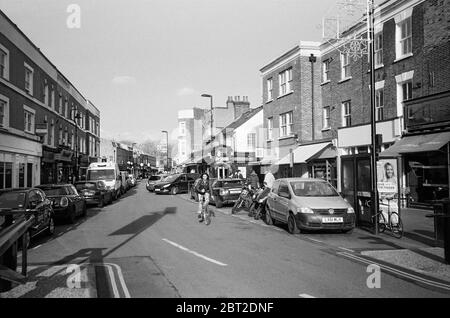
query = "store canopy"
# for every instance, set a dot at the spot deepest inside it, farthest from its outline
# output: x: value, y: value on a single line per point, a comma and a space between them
x: 303, y: 153
x: 419, y: 143
x: 329, y: 152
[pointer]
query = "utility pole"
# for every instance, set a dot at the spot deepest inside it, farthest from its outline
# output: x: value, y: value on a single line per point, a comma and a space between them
x: 312, y: 59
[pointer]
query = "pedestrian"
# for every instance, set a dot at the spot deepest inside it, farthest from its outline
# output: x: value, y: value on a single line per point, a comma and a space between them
x: 253, y: 180
x: 203, y: 190
x: 269, y: 178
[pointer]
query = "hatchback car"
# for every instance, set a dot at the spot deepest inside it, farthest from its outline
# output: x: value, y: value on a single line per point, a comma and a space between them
x: 225, y: 191
x: 176, y: 183
x: 94, y: 192
x: 33, y: 201
x: 308, y: 204
x: 67, y: 203
x: 152, y: 180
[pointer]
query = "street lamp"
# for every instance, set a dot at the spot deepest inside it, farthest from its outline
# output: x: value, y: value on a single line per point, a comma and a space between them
x: 75, y: 117
x: 167, y: 149
x: 211, y: 105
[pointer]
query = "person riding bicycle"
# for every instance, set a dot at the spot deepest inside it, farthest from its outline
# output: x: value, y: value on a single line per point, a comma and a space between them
x: 204, y: 191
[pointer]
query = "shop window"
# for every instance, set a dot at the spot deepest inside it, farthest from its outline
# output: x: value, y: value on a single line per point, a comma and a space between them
x: 29, y: 174
x: 21, y: 175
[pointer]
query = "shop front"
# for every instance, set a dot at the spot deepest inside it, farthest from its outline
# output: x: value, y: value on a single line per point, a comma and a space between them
x: 64, y: 168
x: 323, y: 165
x: 20, y: 161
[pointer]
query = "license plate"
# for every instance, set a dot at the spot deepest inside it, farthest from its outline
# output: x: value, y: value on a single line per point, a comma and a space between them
x: 235, y: 191
x: 332, y: 220
x: 157, y: 190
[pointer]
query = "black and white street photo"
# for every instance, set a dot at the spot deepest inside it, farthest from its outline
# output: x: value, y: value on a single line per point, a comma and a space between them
x: 224, y: 154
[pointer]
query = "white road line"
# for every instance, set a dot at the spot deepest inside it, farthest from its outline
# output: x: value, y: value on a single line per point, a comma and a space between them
x: 194, y: 253
x: 36, y: 247
x: 121, y: 279
x: 397, y: 271
x: 306, y: 296
x: 314, y: 240
x: 112, y: 279
x: 346, y: 249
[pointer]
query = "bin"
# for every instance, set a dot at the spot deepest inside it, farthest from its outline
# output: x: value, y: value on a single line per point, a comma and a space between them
x: 442, y: 226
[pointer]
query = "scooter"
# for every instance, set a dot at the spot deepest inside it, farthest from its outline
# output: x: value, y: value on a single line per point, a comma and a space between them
x: 258, y: 208
x: 244, y: 201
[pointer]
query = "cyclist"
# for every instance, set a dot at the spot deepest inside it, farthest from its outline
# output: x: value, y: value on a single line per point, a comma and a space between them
x: 203, y: 190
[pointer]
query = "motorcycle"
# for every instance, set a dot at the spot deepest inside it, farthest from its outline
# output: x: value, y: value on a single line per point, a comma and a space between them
x: 244, y: 201
x: 258, y: 208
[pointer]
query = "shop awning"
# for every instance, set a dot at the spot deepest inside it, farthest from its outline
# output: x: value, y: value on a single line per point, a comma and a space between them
x: 329, y: 152
x: 419, y: 143
x: 303, y: 153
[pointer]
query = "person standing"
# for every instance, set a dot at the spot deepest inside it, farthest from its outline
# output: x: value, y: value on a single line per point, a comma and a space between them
x: 203, y: 190
x: 253, y: 180
x: 269, y: 178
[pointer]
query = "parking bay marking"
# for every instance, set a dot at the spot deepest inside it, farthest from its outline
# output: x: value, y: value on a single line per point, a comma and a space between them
x: 194, y: 253
x: 306, y: 296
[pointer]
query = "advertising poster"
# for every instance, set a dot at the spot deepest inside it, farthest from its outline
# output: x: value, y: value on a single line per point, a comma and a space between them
x: 387, y: 185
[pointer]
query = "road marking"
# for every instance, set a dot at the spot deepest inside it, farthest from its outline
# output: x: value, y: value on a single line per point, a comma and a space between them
x: 314, y: 240
x: 36, y: 247
x: 397, y: 271
x: 194, y: 253
x: 346, y: 249
x: 306, y: 296
x: 121, y: 279
x: 113, y: 281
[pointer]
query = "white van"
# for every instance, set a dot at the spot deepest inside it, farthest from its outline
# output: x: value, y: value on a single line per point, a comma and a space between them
x: 107, y: 172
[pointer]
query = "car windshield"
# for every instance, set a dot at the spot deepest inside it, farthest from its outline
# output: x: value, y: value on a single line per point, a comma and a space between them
x: 231, y: 184
x: 55, y: 191
x: 154, y: 178
x: 86, y: 185
x: 313, y: 189
x: 171, y: 178
x: 12, y: 200
x: 104, y: 174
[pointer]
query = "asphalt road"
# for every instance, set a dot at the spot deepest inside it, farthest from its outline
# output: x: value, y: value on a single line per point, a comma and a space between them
x: 148, y: 245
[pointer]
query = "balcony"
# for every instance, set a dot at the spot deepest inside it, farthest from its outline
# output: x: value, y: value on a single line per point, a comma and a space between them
x: 428, y: 112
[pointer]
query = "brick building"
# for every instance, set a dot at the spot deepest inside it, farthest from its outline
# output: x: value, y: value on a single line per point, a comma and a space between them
x: 45, y: 121
x: 411, y: 63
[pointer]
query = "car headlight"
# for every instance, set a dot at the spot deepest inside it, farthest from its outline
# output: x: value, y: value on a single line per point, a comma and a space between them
x: 64, y: 202
x: 305, y: 210
x: 166, y: 186
x: 350, y: 210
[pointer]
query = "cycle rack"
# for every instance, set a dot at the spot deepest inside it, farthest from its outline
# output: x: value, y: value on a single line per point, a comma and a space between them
x: 13, y: 229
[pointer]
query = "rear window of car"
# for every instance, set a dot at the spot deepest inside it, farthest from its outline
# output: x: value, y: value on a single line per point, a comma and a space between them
x: 154, y: 178
x: 55, y: 191
x: 12, y: 200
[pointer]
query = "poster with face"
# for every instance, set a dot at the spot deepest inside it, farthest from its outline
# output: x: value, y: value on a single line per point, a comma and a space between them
x: 387, y: 185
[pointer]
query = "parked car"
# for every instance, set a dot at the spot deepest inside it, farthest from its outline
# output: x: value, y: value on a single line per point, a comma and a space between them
x: 152, y: 180
x: 308, y: 204
x: 176, y: 183
x: 132, y: 180
x: 67, y: 203
x: 225, y: 191
x: 33, y: 201
x: 94, y: 192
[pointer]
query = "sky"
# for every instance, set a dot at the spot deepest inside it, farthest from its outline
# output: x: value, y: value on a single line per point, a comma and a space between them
x: 141, y: 61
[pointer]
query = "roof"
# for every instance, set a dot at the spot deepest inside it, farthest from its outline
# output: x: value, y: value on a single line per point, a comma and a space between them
x: 243, y: 118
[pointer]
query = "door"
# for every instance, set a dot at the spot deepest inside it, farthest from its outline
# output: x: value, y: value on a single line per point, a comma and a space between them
x: 282, y: 205
x: 182, y: 183
x: 363, y: 191
x: 348, y: 181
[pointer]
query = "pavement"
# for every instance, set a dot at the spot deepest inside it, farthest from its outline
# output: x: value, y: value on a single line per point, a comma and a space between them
x: 152, y: 246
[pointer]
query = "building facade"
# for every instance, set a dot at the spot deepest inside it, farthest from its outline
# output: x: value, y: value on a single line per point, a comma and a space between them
x: 45, y: 121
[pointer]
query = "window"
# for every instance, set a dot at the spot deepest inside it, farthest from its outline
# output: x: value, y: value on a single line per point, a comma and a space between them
x: 29, y: 174
x: 28, y: 79
x: 406, y: 90
x: 5, y: 175
x: 325, y: 71
x: 326, y: 117
x: 405, y: 29
x: 46, y: 94
x: 269, y: 89
x: 345, y: 66
x: 251, y: 140
x: 51, y: 133
x: 21, y: 175
x: 60, y: 105
x: 378, y: 49
x: 346, y: 114
x: 182, y: 128
x: 4, y: 112
x: 285, y: 79
x: 28, y: 119
x: 52, y: 98
x: 60, y: 136
x: 66, y: 108
x: 286, y: 124
x: 270, y: 128
x: 183, y: 147
x: 379, y: 104
x: 4, y: 63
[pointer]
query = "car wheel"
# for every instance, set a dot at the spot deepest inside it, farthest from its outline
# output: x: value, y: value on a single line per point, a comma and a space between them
x: 219, y: 202
x: 174, y: 191
x: 72, y: 215
x: 101, y: 202
x: 292, y: 224
x: 51, y: 227
x: 268, y: 218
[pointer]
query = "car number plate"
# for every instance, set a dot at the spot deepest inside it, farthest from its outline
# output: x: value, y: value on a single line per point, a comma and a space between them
x: 157, y: 190
x: 235, y: 191
x: 332, y: 220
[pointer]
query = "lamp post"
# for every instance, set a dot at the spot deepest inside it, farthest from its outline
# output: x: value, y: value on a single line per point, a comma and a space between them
x: 167, y: 149
x: 75, y: 117
x: 211, y: 106
x: 132, y: 158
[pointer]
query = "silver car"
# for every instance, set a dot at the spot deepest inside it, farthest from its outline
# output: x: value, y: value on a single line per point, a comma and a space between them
x: 308, y: 204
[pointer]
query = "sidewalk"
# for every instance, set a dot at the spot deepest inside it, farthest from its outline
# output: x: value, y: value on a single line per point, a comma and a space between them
x: 415, y: 251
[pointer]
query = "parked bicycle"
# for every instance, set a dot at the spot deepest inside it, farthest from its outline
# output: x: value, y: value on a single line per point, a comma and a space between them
x: 393, y: 223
